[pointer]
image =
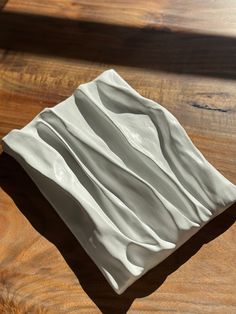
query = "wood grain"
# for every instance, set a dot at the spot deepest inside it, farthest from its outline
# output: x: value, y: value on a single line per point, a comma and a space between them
x: 182, y: 56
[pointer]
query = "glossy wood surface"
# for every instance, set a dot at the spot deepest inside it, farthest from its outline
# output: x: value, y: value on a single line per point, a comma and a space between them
x: 181, y: 54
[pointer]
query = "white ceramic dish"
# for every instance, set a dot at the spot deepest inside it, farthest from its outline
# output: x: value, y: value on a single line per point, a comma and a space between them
x: 123, y: 175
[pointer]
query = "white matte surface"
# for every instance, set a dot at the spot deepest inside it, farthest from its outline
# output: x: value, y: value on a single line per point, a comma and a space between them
x: 122, y: 173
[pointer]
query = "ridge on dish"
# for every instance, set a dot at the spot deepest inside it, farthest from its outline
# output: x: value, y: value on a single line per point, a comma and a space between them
x: 122, y: 173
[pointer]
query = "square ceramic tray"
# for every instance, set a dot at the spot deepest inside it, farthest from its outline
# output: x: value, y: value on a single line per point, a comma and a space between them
x: 123, y: 175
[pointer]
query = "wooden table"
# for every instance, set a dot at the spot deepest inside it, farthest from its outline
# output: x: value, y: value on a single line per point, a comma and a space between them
x: 182, y: 54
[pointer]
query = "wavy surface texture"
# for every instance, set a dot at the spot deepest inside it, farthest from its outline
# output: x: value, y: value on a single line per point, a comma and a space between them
x: 123, y: 175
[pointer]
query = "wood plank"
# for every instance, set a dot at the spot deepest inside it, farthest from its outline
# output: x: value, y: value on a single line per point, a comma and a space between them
x: 215, y: 17
x: 182, y: 56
